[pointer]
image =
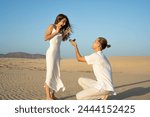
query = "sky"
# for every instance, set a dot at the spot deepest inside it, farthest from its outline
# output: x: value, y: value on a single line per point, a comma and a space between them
x: 124, y: 23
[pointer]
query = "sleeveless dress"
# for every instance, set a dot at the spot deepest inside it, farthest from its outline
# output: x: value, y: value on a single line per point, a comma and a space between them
x: 53, y: 63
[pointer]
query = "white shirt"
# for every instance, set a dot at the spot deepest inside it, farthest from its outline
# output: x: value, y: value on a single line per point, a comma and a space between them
x: 102, y: 70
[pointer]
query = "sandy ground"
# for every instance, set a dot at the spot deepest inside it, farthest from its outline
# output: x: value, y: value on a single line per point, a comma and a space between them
x: 24, y: 78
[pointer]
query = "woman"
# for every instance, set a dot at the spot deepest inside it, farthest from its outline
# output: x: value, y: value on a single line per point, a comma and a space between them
x: 57, y: 32
x: 102, y: 87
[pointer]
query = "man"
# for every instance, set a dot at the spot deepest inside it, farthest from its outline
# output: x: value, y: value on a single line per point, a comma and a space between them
x: 102, y: 87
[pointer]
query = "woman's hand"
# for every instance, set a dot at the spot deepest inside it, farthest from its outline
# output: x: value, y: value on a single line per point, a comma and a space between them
x: 58, y: 28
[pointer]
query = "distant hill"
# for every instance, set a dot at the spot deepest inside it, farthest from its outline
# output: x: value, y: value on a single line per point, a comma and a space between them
x: 21, y: 55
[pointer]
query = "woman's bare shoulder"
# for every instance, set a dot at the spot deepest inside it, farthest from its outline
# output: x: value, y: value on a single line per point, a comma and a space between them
x: 51, y: 27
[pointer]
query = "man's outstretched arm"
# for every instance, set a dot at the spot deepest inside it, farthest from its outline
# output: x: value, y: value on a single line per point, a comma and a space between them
x: 78, y: 55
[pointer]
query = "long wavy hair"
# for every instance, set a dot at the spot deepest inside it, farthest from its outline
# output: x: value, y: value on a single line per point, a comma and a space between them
x: 66, y: 30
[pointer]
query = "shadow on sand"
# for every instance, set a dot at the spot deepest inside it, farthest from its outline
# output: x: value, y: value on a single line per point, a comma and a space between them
x: 131, y: 92
x: 123, y: 95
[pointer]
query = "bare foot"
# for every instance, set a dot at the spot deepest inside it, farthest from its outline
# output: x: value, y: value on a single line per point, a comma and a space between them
x: 54, y: 97
x: 49, y: 98
x: 105, y: 97
x: 48, y: 93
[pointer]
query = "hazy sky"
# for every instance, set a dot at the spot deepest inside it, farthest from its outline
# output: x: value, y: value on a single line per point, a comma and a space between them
x: 125, y: 23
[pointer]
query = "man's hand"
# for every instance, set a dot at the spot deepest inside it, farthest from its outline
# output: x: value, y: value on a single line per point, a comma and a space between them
x: 78, y: 56
x: 73, y: 43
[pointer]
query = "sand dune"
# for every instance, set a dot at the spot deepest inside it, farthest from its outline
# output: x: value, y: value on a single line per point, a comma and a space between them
x: 24, y: 78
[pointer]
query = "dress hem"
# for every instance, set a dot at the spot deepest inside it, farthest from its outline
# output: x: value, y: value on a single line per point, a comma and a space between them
x: 63, y: 88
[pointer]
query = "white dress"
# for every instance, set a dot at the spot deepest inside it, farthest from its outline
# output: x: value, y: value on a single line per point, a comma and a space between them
x: 53, y: 64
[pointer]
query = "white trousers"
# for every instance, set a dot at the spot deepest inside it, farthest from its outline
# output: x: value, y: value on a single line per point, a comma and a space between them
x: 89, y: 92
